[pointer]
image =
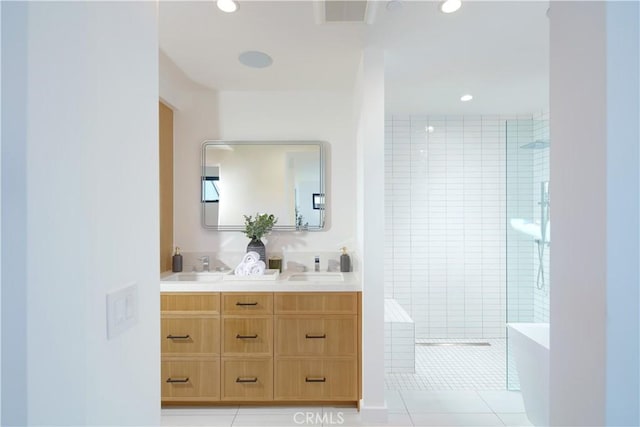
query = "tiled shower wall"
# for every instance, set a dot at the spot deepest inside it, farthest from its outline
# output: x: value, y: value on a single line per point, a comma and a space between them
x: 520, y: 202
x: 445, y: 223
x: 540, y: 174
x: 526, y: 168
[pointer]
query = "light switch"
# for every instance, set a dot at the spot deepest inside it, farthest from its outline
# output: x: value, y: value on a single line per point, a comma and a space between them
x: 122, y: 310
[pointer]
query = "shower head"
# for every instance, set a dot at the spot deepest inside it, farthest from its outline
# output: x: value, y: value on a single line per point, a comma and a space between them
x: 538, y: 144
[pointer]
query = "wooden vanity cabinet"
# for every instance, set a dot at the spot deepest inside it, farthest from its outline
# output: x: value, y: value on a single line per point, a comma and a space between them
x: 261, y: 347
x: 247, y: 346
x: 317, y: 346
x: 190, y: 346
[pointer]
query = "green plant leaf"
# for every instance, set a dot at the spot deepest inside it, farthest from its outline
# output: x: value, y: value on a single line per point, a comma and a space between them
x: 258, y: 227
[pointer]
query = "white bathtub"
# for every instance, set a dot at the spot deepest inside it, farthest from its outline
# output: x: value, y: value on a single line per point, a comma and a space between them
x: 530, y: 344
x: 399, y: 339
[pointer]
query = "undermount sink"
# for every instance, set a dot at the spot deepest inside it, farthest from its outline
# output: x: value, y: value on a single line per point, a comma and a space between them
x: 204, y: 276
x: 317, y: 277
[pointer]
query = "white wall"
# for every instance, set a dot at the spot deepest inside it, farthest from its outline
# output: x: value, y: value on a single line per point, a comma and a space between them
x: 578, y: 258
x: 369, y: 114
x: 14, y: 205
x: 594, y: 170
x: 623, y: 224
x: 90, y: 126
x: 195, y: 119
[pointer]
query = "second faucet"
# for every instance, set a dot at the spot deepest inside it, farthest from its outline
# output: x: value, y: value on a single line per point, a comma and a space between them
x: 205, y: 263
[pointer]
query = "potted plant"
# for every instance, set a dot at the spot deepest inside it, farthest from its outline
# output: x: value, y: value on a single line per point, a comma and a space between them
x: 255, y: 229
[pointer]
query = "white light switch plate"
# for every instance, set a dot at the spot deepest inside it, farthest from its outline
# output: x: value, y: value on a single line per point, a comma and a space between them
x: 122, y: 310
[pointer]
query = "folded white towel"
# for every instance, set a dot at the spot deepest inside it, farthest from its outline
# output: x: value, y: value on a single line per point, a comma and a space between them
x: 255, y: 269
x: 251, y: 265
x: 240, y: 270
x: 250, y: 257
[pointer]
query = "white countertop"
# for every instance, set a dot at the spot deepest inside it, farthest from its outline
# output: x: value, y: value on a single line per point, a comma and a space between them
x: 351, y: 283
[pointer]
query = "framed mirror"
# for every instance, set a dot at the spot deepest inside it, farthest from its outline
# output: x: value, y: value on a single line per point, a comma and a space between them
x: 284, y: 178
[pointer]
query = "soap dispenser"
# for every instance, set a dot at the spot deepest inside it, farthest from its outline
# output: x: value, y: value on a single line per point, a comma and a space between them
x: 177, y: 261
x: 345, y: 261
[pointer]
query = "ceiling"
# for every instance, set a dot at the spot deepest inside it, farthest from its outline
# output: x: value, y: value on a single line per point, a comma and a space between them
x: 497, y: 51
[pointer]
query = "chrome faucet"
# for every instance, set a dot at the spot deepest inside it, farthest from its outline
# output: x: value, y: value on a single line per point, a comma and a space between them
x: 205, y: 262
x: 317, y: 264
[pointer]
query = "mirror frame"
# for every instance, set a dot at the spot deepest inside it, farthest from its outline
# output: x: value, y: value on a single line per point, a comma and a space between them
x: 323, y: 147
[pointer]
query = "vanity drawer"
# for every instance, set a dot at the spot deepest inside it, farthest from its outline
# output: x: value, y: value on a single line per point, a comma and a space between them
x: 190, y: 301
x: 247, y: 336
x: 316, y: 379
x: 316, y: 336
x: 190, y: 380
x: 189, y: 335
x: 247, y: 379
x: 242, y: 303
x: 316, y: 303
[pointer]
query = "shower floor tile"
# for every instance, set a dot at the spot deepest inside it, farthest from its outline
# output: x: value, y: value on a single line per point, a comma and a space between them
x: 454, y: 367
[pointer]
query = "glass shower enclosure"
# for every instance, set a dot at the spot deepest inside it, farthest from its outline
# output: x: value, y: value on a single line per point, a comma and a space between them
x: 528, y: 226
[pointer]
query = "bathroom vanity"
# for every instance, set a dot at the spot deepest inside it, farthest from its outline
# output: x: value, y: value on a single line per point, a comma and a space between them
x: 295, y: 340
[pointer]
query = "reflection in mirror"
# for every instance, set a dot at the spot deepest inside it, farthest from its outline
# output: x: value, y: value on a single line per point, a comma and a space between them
x: 246, y: 177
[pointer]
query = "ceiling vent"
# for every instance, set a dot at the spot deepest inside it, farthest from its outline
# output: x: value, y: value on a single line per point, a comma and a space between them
x: 344, y: 11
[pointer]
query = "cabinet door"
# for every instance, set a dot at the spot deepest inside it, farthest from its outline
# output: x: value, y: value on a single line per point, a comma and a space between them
x: 247, y: 379
x: 316, y: 336
x: 190, y: 380
x: 190, y: 335
x: 242, y: 303
x: 244, y: 336
x: 316, y: 379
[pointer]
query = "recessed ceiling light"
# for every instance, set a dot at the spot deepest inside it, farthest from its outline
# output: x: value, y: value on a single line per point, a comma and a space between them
x: 255, y: 59
x: 450, y: 6
x: 429, y: 129
x: 227, y: 5
x: 465, y: 98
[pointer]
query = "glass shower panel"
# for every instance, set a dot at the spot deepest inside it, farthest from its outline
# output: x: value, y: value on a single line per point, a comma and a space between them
x: 528, y: 228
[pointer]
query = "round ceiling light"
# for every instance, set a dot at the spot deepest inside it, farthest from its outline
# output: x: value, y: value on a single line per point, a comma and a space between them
x: 466, y: 98
x: 228, y: 6
x: 255, y: 59
x: 450, y: 6
x: 429, y: 129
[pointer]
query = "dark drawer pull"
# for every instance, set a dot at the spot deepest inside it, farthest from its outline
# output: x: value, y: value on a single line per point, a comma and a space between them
x: 178, y: 337
x: 311, y: 336
x: 246, y: 303
x: 178, y: 380
x: 241, y: 337
x: 247, y: 380
x: 316, y: 380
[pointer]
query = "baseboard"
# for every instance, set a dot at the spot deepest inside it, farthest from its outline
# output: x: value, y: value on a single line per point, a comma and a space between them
x: 374, y: 414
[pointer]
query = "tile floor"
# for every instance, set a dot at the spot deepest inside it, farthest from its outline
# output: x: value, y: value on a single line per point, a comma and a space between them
x: 454, y: 367
x: 406, y: 408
